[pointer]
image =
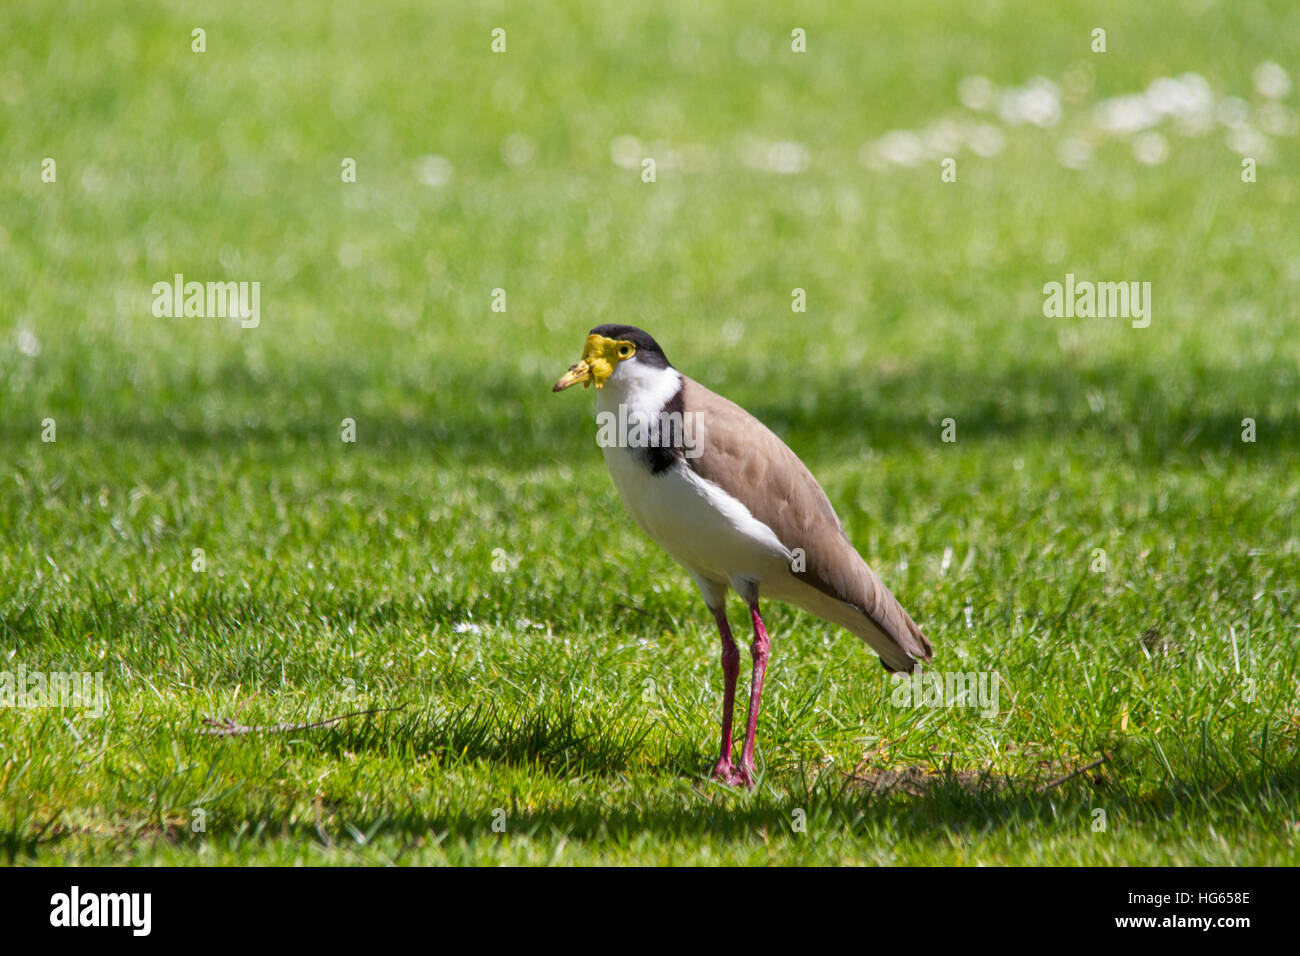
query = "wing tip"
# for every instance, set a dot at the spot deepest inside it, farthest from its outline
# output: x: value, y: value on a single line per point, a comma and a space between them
x: 915, y: 656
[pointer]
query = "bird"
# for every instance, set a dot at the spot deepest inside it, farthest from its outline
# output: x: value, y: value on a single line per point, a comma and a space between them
x: 733, y: 505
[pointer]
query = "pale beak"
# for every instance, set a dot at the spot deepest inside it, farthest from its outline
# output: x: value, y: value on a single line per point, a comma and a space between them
x: 579, y: 371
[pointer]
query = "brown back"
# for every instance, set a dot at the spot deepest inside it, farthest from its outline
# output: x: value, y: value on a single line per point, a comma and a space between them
x: 752, y: 464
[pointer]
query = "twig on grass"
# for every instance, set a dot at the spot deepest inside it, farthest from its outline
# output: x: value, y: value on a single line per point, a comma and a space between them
x: 1074, y: 773
x: 666, y: 623
x: 229, y: 727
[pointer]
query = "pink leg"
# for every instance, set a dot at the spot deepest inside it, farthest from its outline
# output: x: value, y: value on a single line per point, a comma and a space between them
x: 724, y: 770
x: 759, y: 651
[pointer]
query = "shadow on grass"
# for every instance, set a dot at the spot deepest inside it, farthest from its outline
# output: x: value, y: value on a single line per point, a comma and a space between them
x: 490, y: 416
x: 949, y: 807
x: 555, y: 737
x: 564, y: 743
x: 616, y: 807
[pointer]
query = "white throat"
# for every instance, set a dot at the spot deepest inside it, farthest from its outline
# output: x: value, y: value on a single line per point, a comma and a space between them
x: 641, y: 389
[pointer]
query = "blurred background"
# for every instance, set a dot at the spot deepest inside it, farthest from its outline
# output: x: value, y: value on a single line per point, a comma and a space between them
x: 521, y: 171
x: 456, y: 513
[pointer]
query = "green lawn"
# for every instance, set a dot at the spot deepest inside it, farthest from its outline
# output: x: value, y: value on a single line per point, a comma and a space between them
x: 467, y: 561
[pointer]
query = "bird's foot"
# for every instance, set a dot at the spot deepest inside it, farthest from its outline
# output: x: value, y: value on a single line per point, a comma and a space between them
x: 732, y: 776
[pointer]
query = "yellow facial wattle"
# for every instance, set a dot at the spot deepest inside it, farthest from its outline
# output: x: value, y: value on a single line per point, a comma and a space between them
x: 599, y: 357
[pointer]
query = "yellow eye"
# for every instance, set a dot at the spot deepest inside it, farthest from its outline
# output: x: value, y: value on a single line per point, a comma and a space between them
x: 624, y: 351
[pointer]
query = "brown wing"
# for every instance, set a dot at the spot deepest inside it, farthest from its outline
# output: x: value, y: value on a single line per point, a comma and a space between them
x: 752, y: 464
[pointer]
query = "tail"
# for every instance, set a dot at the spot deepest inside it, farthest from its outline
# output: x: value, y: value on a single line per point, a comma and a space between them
x: 887, y: 627
x: 897, y: 655
x: 858, y: 601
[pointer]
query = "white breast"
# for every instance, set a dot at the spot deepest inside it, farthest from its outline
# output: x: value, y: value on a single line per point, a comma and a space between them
x: 701, y: 526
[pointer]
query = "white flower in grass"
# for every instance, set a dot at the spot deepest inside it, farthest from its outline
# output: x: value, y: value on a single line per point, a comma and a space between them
x: 977, y: 93
x: 787, y: 158
x: 1248, y: 141
x: 626, y: 152
x: 1151, y: 149
x: 517, y: 151
x: 985, y: 140
x: 1041, y: 103
x: 1037, y: 103
x: 434, y: 171
x: 1233, y: 112
x: 901, y: 147
x: 1123, y: 115
x: 1271, y: 80
x: 1276, y: 120
x: 1074, y: 153
x: 1187, y: 98
x: 28, y: 344
x: 944, y: 138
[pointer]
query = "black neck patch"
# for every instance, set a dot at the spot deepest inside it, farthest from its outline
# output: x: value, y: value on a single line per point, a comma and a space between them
x: 667, y: 436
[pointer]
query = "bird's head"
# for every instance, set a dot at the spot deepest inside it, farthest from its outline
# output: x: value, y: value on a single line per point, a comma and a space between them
x: 609, y: 348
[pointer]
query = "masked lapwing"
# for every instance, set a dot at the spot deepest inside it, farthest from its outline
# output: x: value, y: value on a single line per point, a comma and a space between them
x: 732, y: 504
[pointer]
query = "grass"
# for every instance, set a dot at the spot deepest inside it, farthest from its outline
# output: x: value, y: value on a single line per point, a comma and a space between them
x: 467, y: 561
